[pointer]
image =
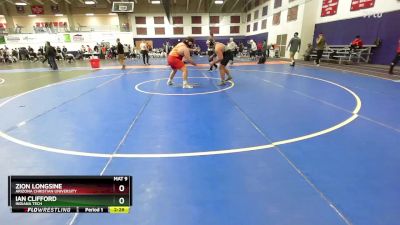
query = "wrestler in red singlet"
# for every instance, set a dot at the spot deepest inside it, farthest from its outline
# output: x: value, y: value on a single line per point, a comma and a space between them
x: 175, y: 60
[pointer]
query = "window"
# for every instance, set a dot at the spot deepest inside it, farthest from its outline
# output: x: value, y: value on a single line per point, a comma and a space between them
x: 159, y: 30
x: 256, y: 3
x: 292, y: 13
x: 158, y: 20
x: 235, y: 29
x: 277, y: 4
x: 178, y: 30
x: 249, y: 6
x: 248, y: 28
x: 141, y: 30
x: 177, y: 20
x: 276, y: 19
x: 265, y: 11
x: 255, y: 26
x: 256, y: 14
x: 196, y: 30
x: 214, y: 19
x: 140, y: 20
x: 248, y: 17
x: 264, y: 24
x: 214, y: 30
x: 196, y: 19
x: 235, y: 19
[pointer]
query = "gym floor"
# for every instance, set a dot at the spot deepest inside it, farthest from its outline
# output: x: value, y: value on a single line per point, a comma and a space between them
x: 278, y: 145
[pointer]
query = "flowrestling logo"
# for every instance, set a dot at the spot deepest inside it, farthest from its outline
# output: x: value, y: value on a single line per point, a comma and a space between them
x: 372, y: 14
x: 78, y: 38
x: 13, y: 39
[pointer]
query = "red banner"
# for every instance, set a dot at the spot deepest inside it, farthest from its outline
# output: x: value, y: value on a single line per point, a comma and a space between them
x: 329, y: 7
x: 55, y: 24
x: 37, y: 9
x: 361, y: 4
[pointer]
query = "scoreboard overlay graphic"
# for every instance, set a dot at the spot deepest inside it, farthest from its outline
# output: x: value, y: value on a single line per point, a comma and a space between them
x: 70, y: 194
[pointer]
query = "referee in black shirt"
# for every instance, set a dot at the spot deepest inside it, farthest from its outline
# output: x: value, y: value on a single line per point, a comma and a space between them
x: 121, y: 55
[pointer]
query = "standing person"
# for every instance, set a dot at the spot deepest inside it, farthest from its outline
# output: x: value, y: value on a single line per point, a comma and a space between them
x: 294, y: 46
x: 321, y: 43
x: 223, y: 57
x: 396, y: 58
x: 167, y: 47
x: 253, y: 49
x: 126, y: 51
x: 121, y: 55
x: 51, y: 55
x: 241, y: 48
x: 178, y: 53
x: 259, y: 48
x: 64, y: 52
x: 44, y: 54
x: 210, y: 51
x: 265, y: 50
x: 113, y: 51
x: 144, y: 50
x: 232, y: 46
x: 103, y: 51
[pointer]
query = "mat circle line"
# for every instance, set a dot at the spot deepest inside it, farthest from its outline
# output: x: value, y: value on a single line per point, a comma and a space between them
x: 183, y: 94
x: 354, y: 116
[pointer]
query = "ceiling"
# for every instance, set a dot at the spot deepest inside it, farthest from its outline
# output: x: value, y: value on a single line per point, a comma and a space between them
x: 142, y: 6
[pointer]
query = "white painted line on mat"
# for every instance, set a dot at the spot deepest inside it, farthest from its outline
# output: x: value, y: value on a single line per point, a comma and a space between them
x: 190, y: 154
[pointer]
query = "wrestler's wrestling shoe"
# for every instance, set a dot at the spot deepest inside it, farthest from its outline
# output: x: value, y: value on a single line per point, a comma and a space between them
x: 187, y: 86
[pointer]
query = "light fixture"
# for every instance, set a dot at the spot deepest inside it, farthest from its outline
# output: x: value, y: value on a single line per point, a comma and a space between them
x: 112, y: 14
x: 89, y: 14
x: 155, y: 2
x: 20, y: 3
x: 58, y: 14
x: 90, y: 2
x: 32, y: 15
x: 218, y: 2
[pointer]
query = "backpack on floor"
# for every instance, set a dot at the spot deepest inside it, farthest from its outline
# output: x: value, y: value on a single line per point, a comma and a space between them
x: 261, y: 60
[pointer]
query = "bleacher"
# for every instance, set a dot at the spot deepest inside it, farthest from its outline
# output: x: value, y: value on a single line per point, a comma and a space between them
x: 341, y: 54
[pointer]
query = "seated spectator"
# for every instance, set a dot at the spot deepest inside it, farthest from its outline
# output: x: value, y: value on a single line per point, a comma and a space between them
x: 32, y: 55
x: 69, y: 57
x: 356, y: 43
x: 396, y: 58
x: 59, y: 54
x: 307, y: 53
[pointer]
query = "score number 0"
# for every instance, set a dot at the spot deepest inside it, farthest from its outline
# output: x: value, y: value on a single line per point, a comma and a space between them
x: 121, y: 200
